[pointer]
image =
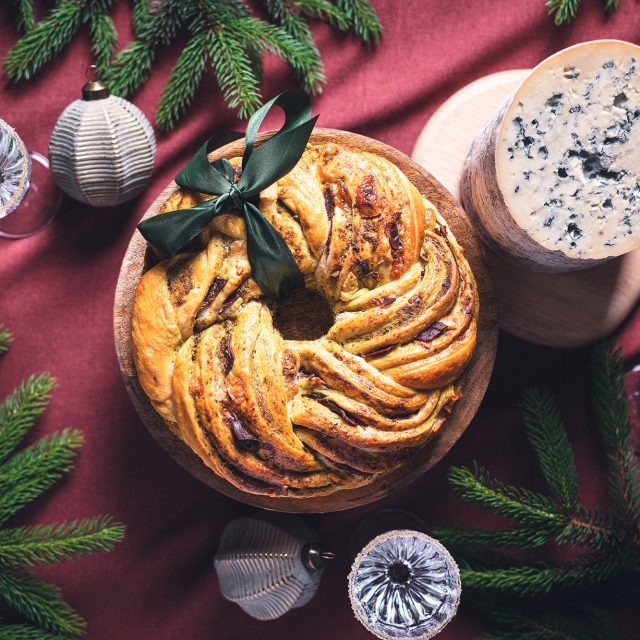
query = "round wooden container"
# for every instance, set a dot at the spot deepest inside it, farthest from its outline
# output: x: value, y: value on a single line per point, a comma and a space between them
x: 475, y: 380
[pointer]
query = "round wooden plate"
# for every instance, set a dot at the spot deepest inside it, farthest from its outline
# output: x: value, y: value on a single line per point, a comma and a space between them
x: 475, y: 379
x: 552, y: 309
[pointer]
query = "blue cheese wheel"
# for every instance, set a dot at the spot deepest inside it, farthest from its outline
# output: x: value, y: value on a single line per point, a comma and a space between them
x: 554, y: 178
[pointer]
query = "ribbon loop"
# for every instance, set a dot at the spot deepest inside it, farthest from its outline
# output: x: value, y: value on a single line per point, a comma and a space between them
x: 272, y: 264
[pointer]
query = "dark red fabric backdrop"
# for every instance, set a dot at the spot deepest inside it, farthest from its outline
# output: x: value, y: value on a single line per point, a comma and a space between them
x: 56, y: 295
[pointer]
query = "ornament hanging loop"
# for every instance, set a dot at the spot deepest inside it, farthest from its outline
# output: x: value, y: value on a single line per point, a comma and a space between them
x: 95, y: 89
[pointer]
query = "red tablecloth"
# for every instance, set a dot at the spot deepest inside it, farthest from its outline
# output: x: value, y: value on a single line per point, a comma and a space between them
x: 57, y: 295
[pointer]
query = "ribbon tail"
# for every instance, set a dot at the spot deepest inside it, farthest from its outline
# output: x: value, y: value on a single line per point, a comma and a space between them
x: 170, y: 232
x: 272, y: 264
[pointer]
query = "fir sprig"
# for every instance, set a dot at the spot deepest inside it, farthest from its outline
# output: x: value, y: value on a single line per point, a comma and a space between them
x: 223, y: 35
x: 24, y: 475
x: 5, y: 339
x: 44, y: 544
x: 610, y: 537
x: 25, y: 15
x: 52, y: 34
x: 26, y: 632
x: 566, y: 10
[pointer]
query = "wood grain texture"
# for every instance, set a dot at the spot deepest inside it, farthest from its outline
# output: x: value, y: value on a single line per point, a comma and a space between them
x: 475, y: 379
x: 555, y: 310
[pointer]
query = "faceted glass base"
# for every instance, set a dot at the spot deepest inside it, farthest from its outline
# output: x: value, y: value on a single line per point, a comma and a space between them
x: 404, y: 584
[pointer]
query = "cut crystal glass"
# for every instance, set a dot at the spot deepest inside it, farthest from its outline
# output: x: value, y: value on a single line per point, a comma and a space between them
x: 404, y: 584
x: 15, y: 169
x: 25, y: 182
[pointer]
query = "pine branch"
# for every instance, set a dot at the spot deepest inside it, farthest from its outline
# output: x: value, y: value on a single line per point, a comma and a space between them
x: 131, y: 68
x: 276, y: 40
x: 324, y: 10
x: 363, y: 19
x: 520, y: 623
x: 20, y: 410
x: 45, y: 544
x: 235, y: 44
x: 306, y: 62
x: 527, y: 507
x: 156, y: 23
x: 40, y: 602
x: 104, y: 40
x: 5, y: 339
x: 551, y: 443
x: 592, y: 531
x: 25, y: 15
x: 44, y: 41
x: 524, y: 538
x: 25, y: 632
x: 185, y: 77
x: 235, y: 74
x: 562, y: 10
x: 538, y: 579
x: 614, y: 422
x: 35, y: 469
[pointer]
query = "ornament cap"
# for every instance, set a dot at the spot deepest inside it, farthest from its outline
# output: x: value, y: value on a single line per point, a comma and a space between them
x: 95, y: 89
x: 314, y: 558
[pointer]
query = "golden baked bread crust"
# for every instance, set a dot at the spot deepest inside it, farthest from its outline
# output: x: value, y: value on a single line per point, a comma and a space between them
x: 310, y: 417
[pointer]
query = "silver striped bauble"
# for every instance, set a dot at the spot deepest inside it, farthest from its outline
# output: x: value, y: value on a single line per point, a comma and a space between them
x: 269, y: 564
x: 102, y: 149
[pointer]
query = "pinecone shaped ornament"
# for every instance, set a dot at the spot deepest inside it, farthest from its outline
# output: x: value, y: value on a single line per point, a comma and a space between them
x: 102, y: 148
x: 269, y: 564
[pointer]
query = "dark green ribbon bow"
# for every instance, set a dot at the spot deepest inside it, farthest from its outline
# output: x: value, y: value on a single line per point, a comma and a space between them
x: 272, y: 264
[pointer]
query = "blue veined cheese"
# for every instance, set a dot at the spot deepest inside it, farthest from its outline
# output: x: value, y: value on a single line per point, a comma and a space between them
x: 554, y: 178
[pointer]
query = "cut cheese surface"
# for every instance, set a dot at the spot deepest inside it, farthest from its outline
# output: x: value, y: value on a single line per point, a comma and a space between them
x: 568, y: 151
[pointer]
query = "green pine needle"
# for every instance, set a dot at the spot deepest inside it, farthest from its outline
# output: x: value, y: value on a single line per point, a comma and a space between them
x: 524, y: 538
x: 26, y: 632
x: 44, y: 41
x: 23, y: 477
x: 562, y: 10
x: 44, y: 544
x: 614, y: 422
x: 222, y: 33
x: 5, y: 339
x: 527, y: 507
x: 551, y: 443
x: 131, y: 68
x: 32, y: 471
x: 104, y: 40
x: 363, y: 19
x: 611, y: 5
x: 236, y: 76
x: 309, y: 69
x: 25, y: 15
x: 324, y: 10
x: 276, y: 40
x: 180, y: 89
x: 538, y: 579
x: 39, y: 602
x: 528, y: 624
x: 610, y: 538
x: 20, y: 410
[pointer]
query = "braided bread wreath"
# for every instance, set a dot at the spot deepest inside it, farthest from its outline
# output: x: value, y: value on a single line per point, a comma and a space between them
x: 301, y: 418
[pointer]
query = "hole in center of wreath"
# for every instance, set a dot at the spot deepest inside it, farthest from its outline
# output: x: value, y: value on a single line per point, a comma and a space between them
x: 303, y: 315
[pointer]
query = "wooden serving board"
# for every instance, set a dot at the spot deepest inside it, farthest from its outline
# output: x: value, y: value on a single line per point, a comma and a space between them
x: 302, y: 317
x: 552, y: 309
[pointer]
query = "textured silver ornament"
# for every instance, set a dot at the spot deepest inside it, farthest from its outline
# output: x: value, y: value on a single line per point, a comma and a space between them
x: 102, y: 149
x: 269, y: 564
x: 404, y: 584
